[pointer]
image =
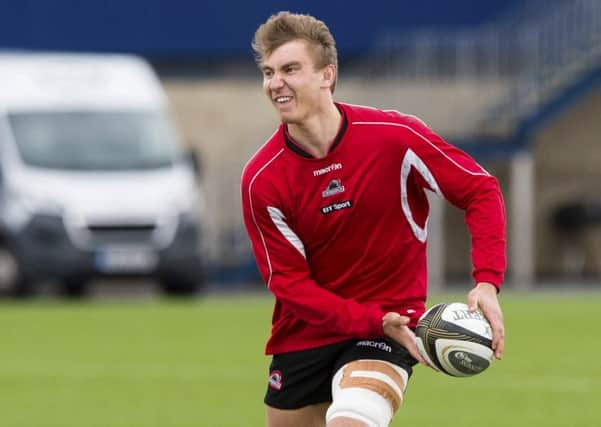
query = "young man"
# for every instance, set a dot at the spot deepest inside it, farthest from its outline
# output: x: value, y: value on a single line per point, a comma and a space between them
x: 335, y: 207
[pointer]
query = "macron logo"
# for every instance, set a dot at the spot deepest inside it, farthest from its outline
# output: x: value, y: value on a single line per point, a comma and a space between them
x: 327, y: 169
x: 380, y: 345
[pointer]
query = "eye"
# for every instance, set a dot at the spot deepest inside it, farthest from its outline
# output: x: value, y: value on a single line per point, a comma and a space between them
x: 267, y: 73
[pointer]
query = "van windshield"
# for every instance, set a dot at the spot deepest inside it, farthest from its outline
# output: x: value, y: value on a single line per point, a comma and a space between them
x: 95, y: 140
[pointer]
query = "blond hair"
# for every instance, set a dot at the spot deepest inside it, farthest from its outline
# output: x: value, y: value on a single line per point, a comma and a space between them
x: 285, y: 27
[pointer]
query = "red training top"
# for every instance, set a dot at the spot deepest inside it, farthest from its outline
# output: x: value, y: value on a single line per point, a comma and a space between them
x: 342, y: 240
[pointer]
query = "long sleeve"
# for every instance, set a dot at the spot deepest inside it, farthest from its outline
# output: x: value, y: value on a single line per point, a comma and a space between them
x: 455, y: 176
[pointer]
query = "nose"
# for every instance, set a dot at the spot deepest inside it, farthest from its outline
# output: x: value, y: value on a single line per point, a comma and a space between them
x: 275, y: 82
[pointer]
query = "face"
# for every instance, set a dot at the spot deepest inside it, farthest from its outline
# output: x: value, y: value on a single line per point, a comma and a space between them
x: 293, y: 85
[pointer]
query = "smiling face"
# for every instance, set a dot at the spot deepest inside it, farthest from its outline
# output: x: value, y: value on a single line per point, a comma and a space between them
x: 293, y: 84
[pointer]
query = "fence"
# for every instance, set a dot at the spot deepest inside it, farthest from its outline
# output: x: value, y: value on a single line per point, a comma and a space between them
x: 533, y: 52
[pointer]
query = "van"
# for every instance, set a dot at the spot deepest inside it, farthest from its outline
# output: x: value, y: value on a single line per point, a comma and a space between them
x: 94, y: 181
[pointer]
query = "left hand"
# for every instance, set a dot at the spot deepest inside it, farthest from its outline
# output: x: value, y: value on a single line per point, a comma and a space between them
x: 484, y: 297
x: 396, y: 327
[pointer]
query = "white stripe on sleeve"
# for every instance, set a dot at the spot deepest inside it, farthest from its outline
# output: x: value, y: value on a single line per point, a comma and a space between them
x: 412, y: 160
x: 278, y: 219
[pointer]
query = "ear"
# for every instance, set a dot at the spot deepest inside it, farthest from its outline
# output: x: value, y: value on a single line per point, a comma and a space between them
x: 329, y: 76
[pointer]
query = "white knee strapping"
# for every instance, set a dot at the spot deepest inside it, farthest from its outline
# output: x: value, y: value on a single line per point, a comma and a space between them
x: 368, y: 391
x: 362, y: 405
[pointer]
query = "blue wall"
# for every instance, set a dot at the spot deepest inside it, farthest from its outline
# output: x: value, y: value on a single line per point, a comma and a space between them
x: 184, y: 28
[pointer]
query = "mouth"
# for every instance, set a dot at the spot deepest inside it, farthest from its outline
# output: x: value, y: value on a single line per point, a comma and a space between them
x: 282, y: 100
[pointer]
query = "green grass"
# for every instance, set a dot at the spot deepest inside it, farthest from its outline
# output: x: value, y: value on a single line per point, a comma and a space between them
x: 200, y: 363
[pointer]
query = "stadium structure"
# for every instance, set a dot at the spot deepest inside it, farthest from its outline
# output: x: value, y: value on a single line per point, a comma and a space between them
x: 514, y: 83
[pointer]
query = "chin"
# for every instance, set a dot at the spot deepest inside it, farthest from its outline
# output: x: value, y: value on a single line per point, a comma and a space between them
x: 288, y: 118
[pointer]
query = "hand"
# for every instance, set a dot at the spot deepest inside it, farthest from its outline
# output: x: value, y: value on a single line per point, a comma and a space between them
x: 484, y: 296
x: 395, y: 327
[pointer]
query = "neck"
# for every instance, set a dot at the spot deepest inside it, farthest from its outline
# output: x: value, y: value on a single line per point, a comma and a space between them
x: 316, y: 133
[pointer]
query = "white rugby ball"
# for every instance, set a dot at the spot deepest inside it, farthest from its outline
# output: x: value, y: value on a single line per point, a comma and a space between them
x: 455, y: 341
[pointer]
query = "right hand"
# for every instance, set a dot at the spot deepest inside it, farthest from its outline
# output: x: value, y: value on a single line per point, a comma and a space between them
x: 395, y: 327
x: 484, y: 297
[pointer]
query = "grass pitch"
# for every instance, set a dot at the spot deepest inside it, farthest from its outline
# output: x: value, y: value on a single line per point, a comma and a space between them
x: 200, y: 363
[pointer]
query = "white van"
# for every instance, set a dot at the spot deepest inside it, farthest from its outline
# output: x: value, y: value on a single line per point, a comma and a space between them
x: 93, y: 178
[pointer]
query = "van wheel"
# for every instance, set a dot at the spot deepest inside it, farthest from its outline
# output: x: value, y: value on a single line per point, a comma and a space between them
x: 178, y: 286
x: 12, y: 280
x: 74, y: 287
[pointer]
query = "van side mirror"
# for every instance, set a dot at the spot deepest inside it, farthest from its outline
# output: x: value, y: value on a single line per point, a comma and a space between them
x: 195, y: 162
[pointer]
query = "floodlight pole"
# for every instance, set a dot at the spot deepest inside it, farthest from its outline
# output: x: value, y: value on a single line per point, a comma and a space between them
x: 521, y: 232
x: 436, y: 242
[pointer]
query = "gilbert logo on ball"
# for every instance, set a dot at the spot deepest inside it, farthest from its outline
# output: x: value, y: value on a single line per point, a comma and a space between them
x: 455, y: 341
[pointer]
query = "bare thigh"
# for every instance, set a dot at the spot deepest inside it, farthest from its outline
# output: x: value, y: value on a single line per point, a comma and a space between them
x: 307, y: 416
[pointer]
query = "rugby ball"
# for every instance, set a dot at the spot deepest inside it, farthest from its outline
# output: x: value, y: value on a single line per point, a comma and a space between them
x: 455, y: 341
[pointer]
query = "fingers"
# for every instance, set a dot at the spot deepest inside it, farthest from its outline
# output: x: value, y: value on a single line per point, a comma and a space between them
x: 414, y: 352
x: 493, y: 314
x: 391, y: 318
x: 484, y: 296
x: 498, y: 333
x: 499, y: 347
x: 394, y: 319
x: 472, y: 301
x: 404, y: 320
x: 408, y: 341
x: 498, y: 344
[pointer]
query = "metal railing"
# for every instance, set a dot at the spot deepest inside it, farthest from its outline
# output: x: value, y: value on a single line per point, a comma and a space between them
x: 534, y: 51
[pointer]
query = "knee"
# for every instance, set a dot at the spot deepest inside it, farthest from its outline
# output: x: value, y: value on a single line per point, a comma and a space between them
x: 369, y: 391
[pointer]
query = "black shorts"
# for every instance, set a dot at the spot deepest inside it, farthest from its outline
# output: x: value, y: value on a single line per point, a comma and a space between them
x: 302, y: 378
